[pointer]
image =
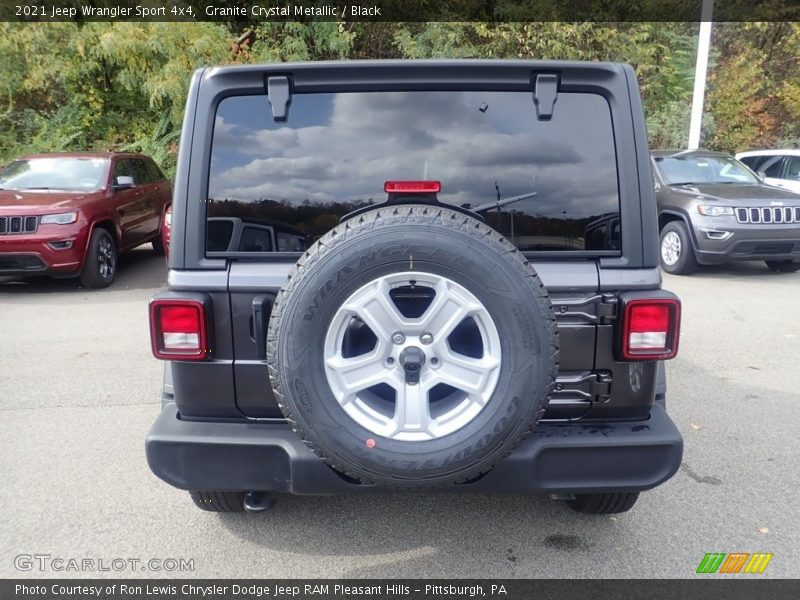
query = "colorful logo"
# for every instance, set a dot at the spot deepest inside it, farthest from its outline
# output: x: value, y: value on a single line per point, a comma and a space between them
x: 737, y: 562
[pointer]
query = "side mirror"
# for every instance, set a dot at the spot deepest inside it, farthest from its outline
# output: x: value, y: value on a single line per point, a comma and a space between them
x: 762, y: 175
x: 123, y: 182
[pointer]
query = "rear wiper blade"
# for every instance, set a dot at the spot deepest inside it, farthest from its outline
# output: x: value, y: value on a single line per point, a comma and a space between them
x: 499, y: 203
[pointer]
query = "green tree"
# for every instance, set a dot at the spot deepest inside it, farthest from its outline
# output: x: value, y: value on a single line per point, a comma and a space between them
x: 70, y: 86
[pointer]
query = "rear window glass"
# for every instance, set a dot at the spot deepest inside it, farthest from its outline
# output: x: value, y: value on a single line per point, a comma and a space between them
x: 255, y: 239
x: 219, y: 234
x: 141, y: 174
x: 772, y: 168
x: 793, y: 168
x: 336, y: 150
x: 291, y: 243
x: 754, y: 161
x: 155, y: 172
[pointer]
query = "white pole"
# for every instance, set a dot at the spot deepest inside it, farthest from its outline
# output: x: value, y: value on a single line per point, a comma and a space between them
x: 703, y: 43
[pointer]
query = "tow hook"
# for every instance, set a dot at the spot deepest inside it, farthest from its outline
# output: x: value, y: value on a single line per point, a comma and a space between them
x: 258, y: 502
x: 412, y: 359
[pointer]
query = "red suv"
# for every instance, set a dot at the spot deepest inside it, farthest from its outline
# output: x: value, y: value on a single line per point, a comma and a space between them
x: 70, y: 214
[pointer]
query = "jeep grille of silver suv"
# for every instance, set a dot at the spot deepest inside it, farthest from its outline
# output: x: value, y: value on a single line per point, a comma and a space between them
x: 769, y: 214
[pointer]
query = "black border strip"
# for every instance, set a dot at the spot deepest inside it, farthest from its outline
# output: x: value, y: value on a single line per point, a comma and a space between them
x: 706, y: 587
x: 497, y: 11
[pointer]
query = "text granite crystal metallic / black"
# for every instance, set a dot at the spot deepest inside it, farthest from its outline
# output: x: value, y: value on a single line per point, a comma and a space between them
x: 414, y: 275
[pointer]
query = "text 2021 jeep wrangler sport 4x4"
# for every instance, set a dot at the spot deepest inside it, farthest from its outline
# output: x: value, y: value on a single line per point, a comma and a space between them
x: 446, y: 279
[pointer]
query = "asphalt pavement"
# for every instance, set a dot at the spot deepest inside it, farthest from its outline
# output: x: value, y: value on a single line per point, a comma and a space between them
x: 79, y: 390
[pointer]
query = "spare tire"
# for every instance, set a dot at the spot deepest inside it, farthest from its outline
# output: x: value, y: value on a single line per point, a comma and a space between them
x: 412, y: 346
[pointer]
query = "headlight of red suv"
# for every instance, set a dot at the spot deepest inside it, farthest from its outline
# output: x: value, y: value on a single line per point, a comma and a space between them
x: 59, y: 219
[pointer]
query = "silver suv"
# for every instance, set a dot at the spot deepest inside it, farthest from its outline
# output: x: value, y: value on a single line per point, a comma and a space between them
x: 775, y: 167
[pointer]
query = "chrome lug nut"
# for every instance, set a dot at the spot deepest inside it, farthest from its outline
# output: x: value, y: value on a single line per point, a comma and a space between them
x: 426, y: 338
x: 398, y: 338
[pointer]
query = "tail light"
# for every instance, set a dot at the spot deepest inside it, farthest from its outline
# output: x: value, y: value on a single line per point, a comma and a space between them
x: 178, y: 329
x: 412, y: 187
x: 651, y: 328
x: 166, y: 228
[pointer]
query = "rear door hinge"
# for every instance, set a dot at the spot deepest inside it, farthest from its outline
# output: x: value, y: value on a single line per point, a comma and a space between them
x: 607, y: 308
x: 600, y: 388
x: 582, y: 387
x: 597, y: 308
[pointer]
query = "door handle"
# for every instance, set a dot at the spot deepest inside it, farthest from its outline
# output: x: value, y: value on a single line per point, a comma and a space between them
x: 262, y: 307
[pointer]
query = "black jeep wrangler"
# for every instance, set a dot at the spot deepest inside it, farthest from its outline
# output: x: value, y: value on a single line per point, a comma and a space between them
x: 462, y: 294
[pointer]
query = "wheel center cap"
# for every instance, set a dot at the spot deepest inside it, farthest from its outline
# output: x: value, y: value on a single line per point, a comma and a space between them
x: 412, y: 359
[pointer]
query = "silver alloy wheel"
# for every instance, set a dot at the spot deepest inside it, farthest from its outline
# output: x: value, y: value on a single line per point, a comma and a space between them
x: 106, y: 260
x: 414, y: 414
x: 671, y: 248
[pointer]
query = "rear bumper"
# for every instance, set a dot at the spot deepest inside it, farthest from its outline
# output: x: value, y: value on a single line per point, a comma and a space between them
x: 556, y: 458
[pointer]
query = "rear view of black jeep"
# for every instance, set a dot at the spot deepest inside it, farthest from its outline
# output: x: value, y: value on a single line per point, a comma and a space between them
x: 456, y: 289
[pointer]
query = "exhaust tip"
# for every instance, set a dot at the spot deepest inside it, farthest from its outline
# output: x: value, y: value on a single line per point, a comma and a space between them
x: 562, y: 497
x: 258, y: 502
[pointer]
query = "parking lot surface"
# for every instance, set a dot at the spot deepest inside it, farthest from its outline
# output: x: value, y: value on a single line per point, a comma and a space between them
x: 79, y: 390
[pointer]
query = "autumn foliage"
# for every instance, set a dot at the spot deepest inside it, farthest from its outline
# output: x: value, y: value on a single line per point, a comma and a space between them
x: 123, y: 85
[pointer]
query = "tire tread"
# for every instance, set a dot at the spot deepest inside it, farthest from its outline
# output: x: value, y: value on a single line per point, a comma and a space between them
x: 783, y: 266
x: 604, y: 504
x: 218, y: 501
x: 89, y: 277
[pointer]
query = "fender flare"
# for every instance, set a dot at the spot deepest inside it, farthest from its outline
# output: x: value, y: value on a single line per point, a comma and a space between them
x: 92, y: 225
x: 684, y: 217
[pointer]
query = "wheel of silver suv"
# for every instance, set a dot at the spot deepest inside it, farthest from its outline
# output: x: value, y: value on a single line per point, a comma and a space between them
x: 670, y: 248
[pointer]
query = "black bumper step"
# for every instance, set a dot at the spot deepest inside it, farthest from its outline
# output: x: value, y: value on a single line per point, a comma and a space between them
x: 556, y: 458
